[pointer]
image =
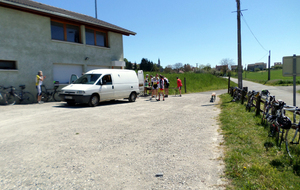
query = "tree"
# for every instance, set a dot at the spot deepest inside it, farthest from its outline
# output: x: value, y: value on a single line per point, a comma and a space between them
x: 168, y: 69
x: 226, y: 63
x: 128, y: 64
x: 207, y: 67
x: 135, y: 66
x: 177, y: 66
x: 187, y: 68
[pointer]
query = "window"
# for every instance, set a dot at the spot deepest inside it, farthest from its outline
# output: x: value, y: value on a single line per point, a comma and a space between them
x: 65, y: 32
x: 57, y: 31
x: 89, y: 35
x: 72, y: 33
x: 8, y: 65
x: 106, y: 80
x: 87, y: 79
x: 100, y: 39
x: 94, y: 37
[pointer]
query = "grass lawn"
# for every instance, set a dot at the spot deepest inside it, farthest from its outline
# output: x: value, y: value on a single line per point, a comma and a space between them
x: 250, y: 164
x: 196, y: 82
x: 276, y: 78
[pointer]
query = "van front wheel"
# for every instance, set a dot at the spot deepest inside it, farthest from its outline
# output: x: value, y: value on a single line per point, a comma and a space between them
x: 94, y: 101
x: 132, y: 97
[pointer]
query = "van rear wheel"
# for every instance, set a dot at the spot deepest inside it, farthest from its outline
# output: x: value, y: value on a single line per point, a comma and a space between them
x: 132, y: 97
x: 94, y: 101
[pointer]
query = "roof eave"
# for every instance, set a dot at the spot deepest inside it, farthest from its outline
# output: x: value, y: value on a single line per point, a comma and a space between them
x: 12, y: 5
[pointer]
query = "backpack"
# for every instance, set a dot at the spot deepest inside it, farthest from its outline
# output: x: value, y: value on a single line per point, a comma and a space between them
x: 166, y: 81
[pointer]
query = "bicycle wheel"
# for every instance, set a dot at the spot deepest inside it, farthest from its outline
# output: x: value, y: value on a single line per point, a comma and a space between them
x: 287, y: 141
x: 279, y: 136
x: 266, y: 110
x: 2, y: 97
x: 45, y: 97
x: 9, y: 99
x: 56, y: 96
x: 294, y: 138
x: 27, y: 98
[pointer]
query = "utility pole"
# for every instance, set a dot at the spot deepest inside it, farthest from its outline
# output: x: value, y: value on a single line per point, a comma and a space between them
x: 269, y: 65
x: 96, y: 8
x: 240, y: 76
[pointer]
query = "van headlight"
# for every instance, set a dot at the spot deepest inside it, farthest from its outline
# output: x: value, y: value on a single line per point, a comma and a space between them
x: 63, y: 91
x: 80, y: 92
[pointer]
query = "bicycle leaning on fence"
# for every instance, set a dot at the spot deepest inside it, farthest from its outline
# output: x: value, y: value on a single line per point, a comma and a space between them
x: 237, y: 94
x: 50, y: 94
x: 293, y: 135
x: 280, y: 125
x: 268, y: 101
x: 251, y: 97
x: 24, y: 97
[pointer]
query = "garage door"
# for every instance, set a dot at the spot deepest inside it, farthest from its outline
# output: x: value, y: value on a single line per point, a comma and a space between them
x: 92, y: 67
x: 62, y: 73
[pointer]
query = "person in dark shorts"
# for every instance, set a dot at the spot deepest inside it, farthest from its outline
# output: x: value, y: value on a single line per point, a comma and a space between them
x: 167, y: 84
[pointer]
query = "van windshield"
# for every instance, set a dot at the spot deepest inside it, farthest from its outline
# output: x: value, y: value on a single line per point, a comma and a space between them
x: 87, y: 79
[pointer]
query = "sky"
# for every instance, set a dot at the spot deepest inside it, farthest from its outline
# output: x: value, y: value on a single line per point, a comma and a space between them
x: 198, y: 31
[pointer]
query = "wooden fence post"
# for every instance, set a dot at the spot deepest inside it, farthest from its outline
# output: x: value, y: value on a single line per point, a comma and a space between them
x: 228, y: 84
x: 258, y: 99
x: 184, y: 85
x: 244, y: 93
x: 243, y: 96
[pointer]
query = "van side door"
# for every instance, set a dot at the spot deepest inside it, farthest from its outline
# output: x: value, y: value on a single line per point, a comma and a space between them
x: 107, y: 91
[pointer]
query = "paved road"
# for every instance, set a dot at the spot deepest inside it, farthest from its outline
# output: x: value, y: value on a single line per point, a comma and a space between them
x: 284, y: 93
x: 117, y: 145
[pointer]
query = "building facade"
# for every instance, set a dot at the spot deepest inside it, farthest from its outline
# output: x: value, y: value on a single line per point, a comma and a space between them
x: 260, y: 66
x: 38, y: 37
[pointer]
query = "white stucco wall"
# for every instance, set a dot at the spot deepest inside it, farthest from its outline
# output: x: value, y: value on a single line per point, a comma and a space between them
x: 26, y: 39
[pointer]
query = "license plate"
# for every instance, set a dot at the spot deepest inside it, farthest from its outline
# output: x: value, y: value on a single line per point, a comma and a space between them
x: 68, y: 97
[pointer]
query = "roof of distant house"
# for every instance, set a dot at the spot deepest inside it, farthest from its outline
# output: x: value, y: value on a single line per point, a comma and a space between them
x: 54, y: 12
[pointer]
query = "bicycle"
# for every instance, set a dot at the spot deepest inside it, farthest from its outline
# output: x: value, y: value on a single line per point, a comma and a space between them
x: 7, y: 96
x: 237, y: 94
x: 281, y: 125
x: 293, y: 138
x: 269, y: 100
x: 50, y: 94
x: 24, y: 97
x: 251, y: 97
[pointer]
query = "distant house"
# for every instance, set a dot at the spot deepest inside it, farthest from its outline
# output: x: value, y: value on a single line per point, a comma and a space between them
x: 222, y: 68
x: 35, y: 36
x: 277, y: 63
x: 260, y: 66
x: 234, y: 67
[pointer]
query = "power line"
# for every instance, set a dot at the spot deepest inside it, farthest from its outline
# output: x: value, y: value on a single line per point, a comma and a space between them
x: 252, y: 32
x: 263, y: 57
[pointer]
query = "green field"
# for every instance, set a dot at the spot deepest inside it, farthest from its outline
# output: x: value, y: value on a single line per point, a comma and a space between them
x: 196, y: 82
x: 276, y: 77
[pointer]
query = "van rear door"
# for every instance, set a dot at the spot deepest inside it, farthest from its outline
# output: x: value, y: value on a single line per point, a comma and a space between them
x: 141, y: 80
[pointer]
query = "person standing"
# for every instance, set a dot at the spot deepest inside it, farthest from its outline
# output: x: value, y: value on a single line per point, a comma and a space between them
x: 179, y: 85
x: 161, y: 88
x: 38, y: 83
x: 167, y: 84
x: 154, y: 82
x: 146, y: 83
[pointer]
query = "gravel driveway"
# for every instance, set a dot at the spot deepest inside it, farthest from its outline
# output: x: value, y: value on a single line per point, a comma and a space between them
x: 172, y: 144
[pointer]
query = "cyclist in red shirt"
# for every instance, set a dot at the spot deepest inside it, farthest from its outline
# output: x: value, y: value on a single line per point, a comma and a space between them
x: 179, y: 85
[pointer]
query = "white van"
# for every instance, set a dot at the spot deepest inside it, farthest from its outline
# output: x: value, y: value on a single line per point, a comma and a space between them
x: 102, y: 85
